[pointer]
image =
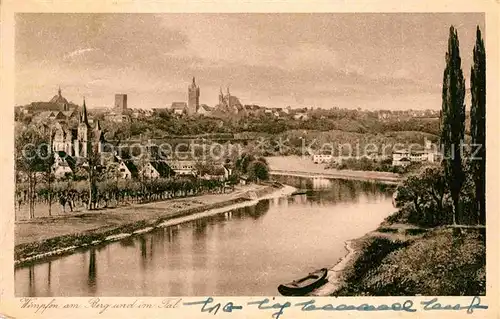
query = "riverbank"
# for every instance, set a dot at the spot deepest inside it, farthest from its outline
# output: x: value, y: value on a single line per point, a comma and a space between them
x: 304, y: 167
x: 400, y: 259
x: 45, y: 237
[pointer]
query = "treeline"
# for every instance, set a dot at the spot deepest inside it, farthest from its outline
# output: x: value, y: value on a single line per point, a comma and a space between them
x: 453, y: 193
x: 353, y: 121
x: 307, y: 142
x: 368, y: 164
x: 118, y: 192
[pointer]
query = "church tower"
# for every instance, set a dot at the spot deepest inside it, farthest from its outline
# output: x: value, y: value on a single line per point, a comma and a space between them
x: 193, y: 98
x: 98, y: 137
x: 83, y: 141
x: 221, y: 98
x: 230, y: 106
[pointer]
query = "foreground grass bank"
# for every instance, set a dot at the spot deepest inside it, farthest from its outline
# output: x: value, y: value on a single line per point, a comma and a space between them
x: 398, y: 259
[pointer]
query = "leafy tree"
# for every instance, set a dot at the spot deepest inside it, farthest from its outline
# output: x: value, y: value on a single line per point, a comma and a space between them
x: 453, y: 117
x: 411, y: 191
x: 243, y: 162
x: 32, y: 157
x: 435, y: 187
x: 48, y: 173
x: 117, y: 132
x: 426, y: 192
x: 234, y: 178
x: 478, y: 126
x: 258, y: 171
x: 93, y: 167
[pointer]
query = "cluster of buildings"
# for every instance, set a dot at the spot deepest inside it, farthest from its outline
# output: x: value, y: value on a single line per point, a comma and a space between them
x: 407, y: 156
x: 386, y: 115
x: 71, y: 147
x: 192, y: 106
x: 403, y: 157
x: 73, y: 133
x: 58, y: 109
x: 228, y: 104
x: 331, y: 159
x: 120, y: 112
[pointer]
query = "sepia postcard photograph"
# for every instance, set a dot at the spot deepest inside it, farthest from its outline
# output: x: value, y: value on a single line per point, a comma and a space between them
x: 302, y: 156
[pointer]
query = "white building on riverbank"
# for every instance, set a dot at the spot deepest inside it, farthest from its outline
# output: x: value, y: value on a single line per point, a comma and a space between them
x: 405, y: 157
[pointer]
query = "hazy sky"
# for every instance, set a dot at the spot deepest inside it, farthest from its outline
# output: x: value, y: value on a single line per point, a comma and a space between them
x: 372, y: 61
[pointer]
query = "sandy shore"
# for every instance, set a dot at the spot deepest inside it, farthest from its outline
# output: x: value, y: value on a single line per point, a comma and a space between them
x: 44, y: 237
x: 335, y: 272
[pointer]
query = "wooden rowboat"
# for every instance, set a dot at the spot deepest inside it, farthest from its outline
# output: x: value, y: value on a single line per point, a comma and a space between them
x: 304, y: 285
x: 299, y: 192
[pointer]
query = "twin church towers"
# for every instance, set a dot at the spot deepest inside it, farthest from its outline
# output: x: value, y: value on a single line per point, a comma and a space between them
x: 226, y: 102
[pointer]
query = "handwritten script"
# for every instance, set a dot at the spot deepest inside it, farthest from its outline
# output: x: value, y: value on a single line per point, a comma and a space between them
x: 277, y: 309
x: 97, y: 304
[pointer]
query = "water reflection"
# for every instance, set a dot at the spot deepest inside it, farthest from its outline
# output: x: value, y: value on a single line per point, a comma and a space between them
x: 200, y: 227
x: 127, y: 242
x: 92, y: 282
x: 349, y: 192
x: 49, y: 275
x: 259, y: 210
x: 244, y: 251
x: 32, y: 283
x: 321, y: 183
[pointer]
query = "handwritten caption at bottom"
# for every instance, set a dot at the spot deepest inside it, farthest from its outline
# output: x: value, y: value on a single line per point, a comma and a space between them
x: 98, y: 304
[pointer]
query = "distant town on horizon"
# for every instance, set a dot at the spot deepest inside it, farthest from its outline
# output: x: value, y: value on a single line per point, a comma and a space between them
x: 229, y: 104
x: 349, y: 61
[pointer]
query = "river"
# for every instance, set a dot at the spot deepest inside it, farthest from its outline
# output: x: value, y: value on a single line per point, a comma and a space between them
x: 245, y: 251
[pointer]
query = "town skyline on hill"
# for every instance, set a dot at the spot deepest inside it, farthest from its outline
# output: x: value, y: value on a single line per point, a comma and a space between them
x: 368, y: 61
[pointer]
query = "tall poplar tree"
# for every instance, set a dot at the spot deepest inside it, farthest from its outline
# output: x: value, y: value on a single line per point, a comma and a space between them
x: 478, y: 126
x: 453, y: 122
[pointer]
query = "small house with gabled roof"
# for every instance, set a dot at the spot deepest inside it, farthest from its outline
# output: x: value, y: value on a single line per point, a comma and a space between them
x: 156, y: 169
x: 127, y: 169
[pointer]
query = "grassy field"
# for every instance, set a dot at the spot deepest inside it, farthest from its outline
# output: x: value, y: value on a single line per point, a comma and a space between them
x: 401, y: 260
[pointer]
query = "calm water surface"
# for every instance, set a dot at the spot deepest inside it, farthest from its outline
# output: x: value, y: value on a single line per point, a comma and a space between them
x: 246, y: 251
